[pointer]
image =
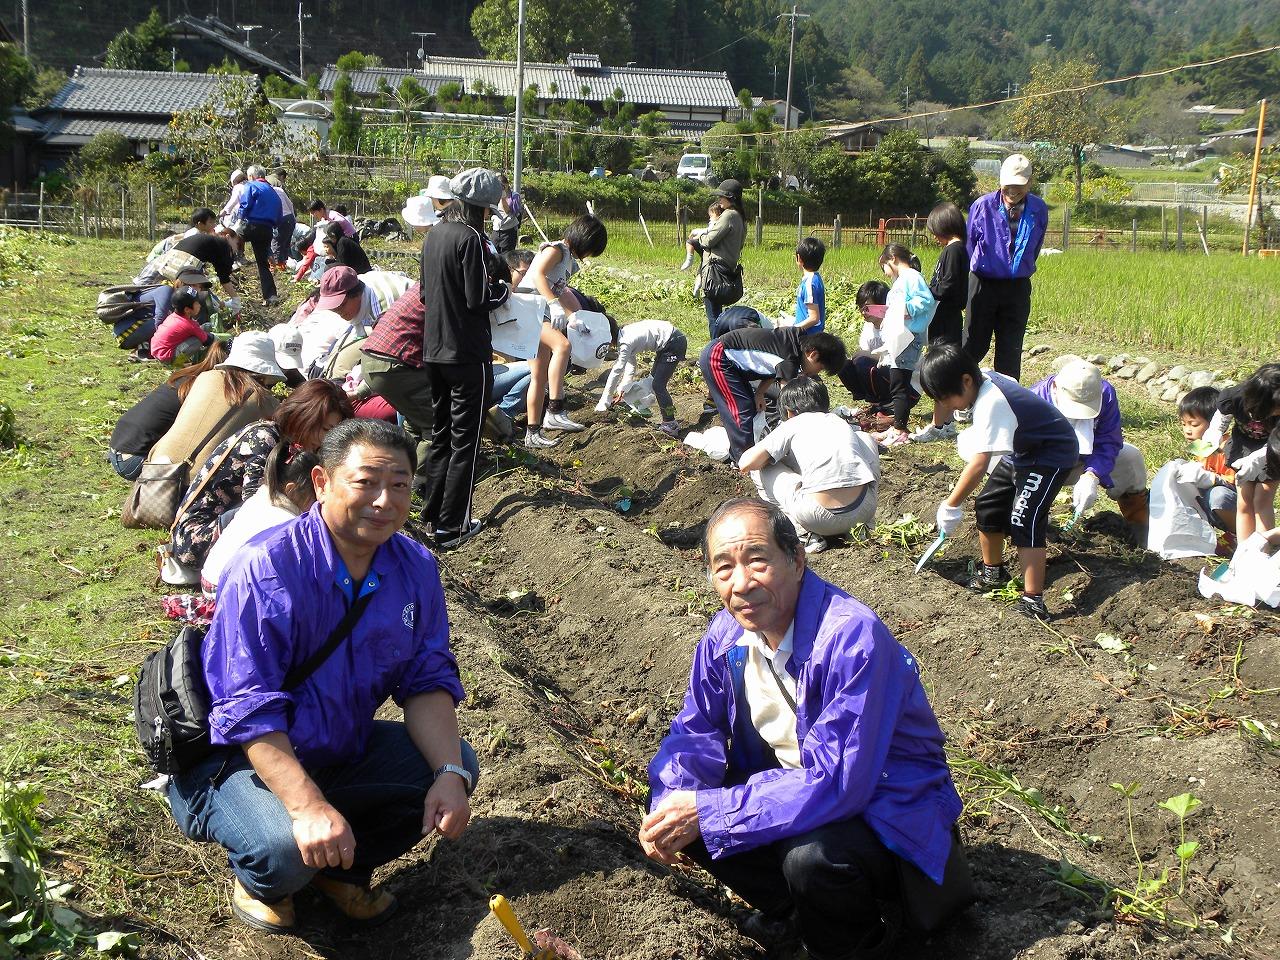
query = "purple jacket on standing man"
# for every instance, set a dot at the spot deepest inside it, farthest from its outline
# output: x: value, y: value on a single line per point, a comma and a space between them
x: 991, y: 255
x: 870, y: 744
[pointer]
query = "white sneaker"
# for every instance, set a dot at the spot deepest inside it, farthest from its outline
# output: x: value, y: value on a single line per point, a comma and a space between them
x: 813, y: 543
x: 964, y: 416
x: 933, y: 432
x: 558, y: 421
x: 537, y: 440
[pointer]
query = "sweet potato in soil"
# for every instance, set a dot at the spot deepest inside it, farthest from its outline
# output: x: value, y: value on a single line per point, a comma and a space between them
x: 574, y: 625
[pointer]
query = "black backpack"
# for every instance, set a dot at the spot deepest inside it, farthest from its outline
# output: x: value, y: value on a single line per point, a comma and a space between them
x: 171, y: 700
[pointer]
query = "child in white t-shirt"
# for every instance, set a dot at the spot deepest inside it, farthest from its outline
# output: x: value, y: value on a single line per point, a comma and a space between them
x: 822, y: 472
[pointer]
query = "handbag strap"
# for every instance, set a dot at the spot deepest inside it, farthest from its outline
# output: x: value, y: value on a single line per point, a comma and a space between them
x: 197, y: 488
x: 295, y: 677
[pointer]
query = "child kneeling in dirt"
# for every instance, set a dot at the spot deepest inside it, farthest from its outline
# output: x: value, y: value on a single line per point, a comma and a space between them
x: 862, y: 374
x: 1254, y: 409
x: 1207, y: 468
x: 822, y: 472
x: 1037, y: 448
x: 669, y: 347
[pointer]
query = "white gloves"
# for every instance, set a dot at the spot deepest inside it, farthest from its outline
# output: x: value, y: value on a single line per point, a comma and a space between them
x: 1195, y: 475
x: 949, y: 518
x: 1085, y: 493
x: 559, y: 319
x: 1253, y: 466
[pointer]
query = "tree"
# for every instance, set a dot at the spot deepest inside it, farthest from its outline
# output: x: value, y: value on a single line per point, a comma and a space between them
x: 146, y: 47
x: 44, y: 86
x: 953, y: 176
x: 105, y: 150
x: 554, y: 29
x: 234, y: 128
x: 355, y: 60
x: 1162, y: 116
x: 16, y: 80
x: 1070, y: 120
x: 344, y: 133
x: 916, y: 77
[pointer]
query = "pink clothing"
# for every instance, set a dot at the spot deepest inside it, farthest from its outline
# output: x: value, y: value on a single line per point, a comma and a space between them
x: 334, y: 216
x: 175, y: 329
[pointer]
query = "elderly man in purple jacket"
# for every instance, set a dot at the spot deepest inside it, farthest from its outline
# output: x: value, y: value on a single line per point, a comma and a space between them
x: 308, y: 787
x: 806, y: 760
x: 1006, y: 232
x: 1106, y: 461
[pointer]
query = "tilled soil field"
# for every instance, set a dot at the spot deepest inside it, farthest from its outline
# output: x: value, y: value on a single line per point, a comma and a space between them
x: 575, y: 615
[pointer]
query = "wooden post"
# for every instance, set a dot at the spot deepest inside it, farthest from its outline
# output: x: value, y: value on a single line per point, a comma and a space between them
x: 1133, y: 238
x: 1253, y: 180
x: 835, y: 233
x: 760, y: 219
x: 1178, y: 224
x: 1164, y: 228
x: 41, y: 215
x: 799, y: 224
x: 122, y: 212
x: 913, y: 231
x: 1066, y: 228
x: 151, y: 212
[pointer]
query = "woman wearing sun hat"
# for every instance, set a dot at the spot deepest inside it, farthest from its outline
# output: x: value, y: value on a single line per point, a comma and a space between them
x: 223, y: 401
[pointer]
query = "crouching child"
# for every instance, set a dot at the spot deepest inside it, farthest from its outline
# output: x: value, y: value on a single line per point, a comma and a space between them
x: 1037, y: 449
x: 822, y: 472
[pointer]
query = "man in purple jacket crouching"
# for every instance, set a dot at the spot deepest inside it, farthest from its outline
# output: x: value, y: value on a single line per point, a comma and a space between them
x: 806, y: 762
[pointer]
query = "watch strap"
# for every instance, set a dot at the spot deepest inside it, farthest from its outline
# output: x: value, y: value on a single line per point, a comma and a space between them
x: 463, y: 772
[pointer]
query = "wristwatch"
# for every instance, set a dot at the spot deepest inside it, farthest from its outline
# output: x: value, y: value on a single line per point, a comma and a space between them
x: 463, y: 772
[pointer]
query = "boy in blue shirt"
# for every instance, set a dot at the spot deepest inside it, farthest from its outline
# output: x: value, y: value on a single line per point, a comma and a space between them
x: 1038, y: 449
x: 811, y: 296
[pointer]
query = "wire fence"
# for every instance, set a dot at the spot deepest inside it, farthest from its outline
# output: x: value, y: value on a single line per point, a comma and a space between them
x: 126, y: 212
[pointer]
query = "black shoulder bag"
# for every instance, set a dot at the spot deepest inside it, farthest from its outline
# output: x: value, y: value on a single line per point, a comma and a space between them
x: 171, y: 700
x: 721, y: 283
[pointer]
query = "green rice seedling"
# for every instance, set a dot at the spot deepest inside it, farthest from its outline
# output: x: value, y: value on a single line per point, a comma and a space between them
x: 907, y: 531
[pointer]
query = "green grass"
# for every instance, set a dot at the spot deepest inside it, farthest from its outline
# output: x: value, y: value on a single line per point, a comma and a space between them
x: 1219, y: 311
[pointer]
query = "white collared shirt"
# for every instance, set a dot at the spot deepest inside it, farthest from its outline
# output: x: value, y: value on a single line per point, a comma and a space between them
x: 771, y: 714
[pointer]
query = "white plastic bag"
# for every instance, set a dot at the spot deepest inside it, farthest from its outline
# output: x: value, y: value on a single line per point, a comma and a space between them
x: 1177, y: 527
x: 589, y: 339
x: 517, y: 325
x: 1252, y: 576
x: 639, y: 395
x: 714, y: 442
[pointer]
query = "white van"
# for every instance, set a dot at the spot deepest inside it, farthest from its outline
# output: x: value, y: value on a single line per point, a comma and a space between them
x: 696, y: 166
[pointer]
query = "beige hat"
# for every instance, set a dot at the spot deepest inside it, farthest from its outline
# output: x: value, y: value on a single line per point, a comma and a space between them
x: 253, y: 352
x: 1077, y: 390
x: 1015, y: 171
x: 237, y: 176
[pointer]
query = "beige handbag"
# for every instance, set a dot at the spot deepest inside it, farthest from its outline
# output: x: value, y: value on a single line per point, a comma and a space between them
x: 153, y: 502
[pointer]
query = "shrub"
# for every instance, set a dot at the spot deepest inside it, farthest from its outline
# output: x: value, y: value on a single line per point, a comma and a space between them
x: 107, y: 149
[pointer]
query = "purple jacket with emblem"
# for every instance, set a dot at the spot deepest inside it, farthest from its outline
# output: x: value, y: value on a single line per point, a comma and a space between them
x: 870, y: 744
x: 1107, y: 435
x: 280, y: 600
x: 991, y: 254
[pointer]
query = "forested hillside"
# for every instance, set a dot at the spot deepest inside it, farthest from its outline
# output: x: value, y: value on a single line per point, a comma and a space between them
x: 852, y: 59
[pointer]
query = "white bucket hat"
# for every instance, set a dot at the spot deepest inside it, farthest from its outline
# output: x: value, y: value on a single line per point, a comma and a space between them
x: 253, y: 352
x: 438, y: 188
x: 418, y: 212
x: 288, y: 343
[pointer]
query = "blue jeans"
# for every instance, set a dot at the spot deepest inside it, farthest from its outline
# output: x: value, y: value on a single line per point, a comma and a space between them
x: 713, y: 310
x: 510, y: 385
x: 282, y: 238
x: 380, y: 794
x: 128, y: 465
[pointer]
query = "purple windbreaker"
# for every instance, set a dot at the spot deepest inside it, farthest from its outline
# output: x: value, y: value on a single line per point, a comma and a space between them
x: 869, y: 742
x: 1107, y: 436
x: 280, y: 599
x: 988, y: 241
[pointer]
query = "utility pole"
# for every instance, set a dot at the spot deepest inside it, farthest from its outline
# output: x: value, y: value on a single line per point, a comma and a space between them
x: 1011, y: 90
x: 26, y: 31
x: 517, y: 149
x: 248, y: 29
x: 422, y: 46
x: 301, y: 16
x: 906, y: 103
x: 791, y: 60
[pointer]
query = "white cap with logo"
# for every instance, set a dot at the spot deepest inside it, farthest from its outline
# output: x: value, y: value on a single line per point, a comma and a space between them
x: 1015, y: 171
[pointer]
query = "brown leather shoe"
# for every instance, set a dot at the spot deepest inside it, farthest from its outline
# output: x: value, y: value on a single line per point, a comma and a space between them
x: 275, y: 917
x: 361, y: 904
